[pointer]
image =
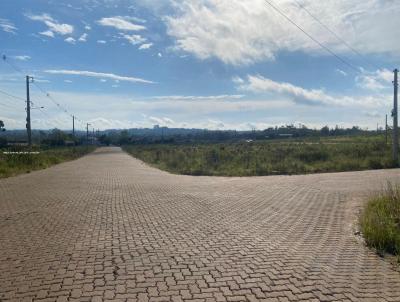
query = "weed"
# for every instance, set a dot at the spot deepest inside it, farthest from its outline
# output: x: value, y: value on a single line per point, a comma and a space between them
x: 380, y: 221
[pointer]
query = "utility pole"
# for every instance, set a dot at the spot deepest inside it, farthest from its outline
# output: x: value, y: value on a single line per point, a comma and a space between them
x: 87, y: 133
x: 395, y: 120
x: 28, y: 111
x: 386, y: 131
x: 73, y: 126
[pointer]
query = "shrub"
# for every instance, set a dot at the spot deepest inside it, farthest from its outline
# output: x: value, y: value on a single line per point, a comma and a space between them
x: 12, y: 164
x: 267, y: 157
x: 380, y: 221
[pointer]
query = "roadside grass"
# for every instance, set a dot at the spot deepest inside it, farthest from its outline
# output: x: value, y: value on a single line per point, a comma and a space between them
x: 14, y: 164
x: 268, y: 157
x: 380, y: 221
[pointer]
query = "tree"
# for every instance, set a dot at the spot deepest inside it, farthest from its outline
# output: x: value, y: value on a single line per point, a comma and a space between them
x: 2, y: 126
x: 55, y: 138
x: 105, y: 140
x: 325, y: 131
x: 3, y: 140
x: 123, y: 137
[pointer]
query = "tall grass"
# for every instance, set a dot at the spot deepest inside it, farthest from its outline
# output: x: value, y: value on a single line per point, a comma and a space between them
x: 17, y: 163
x: 380, y: 221
x: 266, y: 158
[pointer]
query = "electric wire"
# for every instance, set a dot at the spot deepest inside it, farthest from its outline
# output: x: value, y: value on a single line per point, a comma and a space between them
x: 7, y: 105
x: 47, y: 94
x: 11, y: 95
x: 336, y: 35
x: 326, y: 48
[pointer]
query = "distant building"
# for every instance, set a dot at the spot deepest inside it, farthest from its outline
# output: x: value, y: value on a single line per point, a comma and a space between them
x: 286, y: 135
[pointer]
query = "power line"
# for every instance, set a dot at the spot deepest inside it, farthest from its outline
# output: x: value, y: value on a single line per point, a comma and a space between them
x: 10, y: 102
x: 336, y: 35
x: 51, y: 98
x: 47, y: 94
x: 15, y: 97
x: 11, y: 95
x: 12, y: 105
x: 8, y: 105
x: 344, y: 61
x: 5, y: 59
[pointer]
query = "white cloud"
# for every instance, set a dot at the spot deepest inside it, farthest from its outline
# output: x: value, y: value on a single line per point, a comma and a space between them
x: 372, y: 114
x: 22, y: 58
x: 121, y: 23
x: 83, y: 37
x: 162, y: 121
x: 259, y: 84
x: 243, y: 32
x: 201, y: 98
x: 378, y: 80
x: 99, y: 75
x: 70, y: 40
x: 53, y: 25
x: 159, y: 55
x: 146, y: 46
x: 134, y: 39
x: 115, y: 110
x: 7, y: 26
x: 67, y: 81
x: 41, y: 80
x: 101, y: 42
x: 343, y: 73
x: 134, y: 19
x: 87, y: 27
x: 207, y: 105
x: 47, y: 33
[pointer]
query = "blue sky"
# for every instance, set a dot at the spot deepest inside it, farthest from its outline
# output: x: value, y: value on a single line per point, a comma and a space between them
x: 217, y: 64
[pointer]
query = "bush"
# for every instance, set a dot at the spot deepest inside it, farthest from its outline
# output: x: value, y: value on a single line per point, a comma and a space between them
x: 3, y: 142
x: 267, y: 157
x: 13, y: 164
x: 380, y: 221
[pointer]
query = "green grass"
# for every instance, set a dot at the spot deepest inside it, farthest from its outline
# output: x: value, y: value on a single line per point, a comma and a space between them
x: 380, y: 221
x: 268, y: 157
x: 14, y: 164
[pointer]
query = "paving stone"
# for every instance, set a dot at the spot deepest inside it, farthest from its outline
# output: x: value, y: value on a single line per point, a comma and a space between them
x: 107, y: 227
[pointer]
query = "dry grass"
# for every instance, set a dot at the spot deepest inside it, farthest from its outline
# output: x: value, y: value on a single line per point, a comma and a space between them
x: 380, y: 221
x: 14, y: 164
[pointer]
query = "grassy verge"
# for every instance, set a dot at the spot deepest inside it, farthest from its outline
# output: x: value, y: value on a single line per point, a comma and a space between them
x: 13, y: 164
x: 268, y: 157
x: 380, y: 221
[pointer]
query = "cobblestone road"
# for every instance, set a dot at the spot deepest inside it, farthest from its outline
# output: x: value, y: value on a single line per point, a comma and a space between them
x: 108, y: 227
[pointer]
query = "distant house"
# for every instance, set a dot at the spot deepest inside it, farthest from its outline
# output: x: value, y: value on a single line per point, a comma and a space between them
x: 286, y: 135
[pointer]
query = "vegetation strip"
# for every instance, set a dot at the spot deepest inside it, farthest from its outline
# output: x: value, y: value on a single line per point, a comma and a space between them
x: 380, y: 221
x: 23, y: 160
x: 333, y: 154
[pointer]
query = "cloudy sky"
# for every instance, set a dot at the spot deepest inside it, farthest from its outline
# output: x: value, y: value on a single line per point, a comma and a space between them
x: 217, y: 64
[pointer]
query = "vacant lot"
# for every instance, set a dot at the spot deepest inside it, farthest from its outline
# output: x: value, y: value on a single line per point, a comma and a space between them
x: 269, y: 157
x: 22, y: 160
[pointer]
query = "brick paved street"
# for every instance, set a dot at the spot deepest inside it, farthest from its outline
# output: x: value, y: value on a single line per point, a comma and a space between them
x: 108, y: 227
